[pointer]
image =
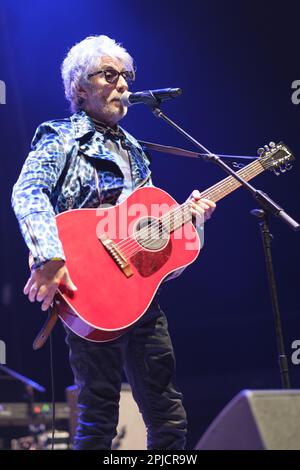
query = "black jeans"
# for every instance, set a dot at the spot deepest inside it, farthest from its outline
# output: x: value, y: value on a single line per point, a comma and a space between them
x: 147, y: 355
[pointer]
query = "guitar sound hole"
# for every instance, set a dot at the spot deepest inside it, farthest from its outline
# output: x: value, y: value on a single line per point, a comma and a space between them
x: 151, y: 234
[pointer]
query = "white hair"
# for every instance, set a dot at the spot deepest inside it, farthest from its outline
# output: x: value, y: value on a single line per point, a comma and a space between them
x: 83, y: 59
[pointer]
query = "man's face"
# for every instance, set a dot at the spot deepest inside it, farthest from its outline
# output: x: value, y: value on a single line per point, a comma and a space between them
x: 102, y: 99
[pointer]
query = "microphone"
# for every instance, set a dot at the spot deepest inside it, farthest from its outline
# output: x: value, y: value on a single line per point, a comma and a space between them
x: 149, y: 97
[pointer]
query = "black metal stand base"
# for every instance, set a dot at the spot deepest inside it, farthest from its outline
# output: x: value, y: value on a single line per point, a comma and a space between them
x: 267, y: 237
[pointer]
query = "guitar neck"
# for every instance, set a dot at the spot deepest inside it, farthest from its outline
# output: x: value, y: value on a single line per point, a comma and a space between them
x: 230, y: 184
x: 182, y: 215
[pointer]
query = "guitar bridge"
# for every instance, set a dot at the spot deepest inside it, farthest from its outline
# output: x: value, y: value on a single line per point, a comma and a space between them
x: 116, y: 255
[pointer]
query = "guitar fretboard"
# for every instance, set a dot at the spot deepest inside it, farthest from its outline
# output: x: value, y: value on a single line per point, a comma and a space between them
x: 182, y: 214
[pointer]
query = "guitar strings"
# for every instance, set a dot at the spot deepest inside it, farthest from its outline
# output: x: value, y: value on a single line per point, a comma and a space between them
x: 248, y: 173
x: 215, y: 193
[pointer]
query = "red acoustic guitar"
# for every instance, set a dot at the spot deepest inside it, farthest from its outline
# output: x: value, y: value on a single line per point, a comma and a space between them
x: 118, y: 256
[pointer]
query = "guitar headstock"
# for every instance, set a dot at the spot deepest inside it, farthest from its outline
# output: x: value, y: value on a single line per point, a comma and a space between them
x: 276, y: 157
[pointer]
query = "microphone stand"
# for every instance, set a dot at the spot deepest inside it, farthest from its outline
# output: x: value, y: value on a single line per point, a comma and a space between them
x: 30, y: 386
x: 267, y: 207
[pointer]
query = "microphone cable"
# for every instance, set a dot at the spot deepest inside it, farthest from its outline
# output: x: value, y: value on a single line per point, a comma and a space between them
x: 52, y: 391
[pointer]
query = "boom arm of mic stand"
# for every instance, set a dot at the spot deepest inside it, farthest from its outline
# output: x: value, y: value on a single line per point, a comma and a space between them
x: 263, y: 199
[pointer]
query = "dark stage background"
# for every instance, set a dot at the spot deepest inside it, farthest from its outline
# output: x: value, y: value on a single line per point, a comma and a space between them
x: 235, y: 62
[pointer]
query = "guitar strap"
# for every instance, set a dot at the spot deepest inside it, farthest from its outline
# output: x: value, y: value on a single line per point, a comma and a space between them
x: 48, y: 326
x: 168, y: 149
x: 187, y: 153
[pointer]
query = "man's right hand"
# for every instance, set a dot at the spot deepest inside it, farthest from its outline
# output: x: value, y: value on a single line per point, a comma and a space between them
x: 44, y: 281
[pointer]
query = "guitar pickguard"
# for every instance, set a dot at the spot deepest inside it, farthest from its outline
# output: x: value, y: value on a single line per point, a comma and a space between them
x: 148, y: 262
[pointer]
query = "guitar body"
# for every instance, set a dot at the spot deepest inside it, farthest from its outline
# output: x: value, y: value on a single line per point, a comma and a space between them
x: 108, y: 300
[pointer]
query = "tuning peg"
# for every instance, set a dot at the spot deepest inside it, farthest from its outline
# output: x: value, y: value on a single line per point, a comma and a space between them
x: 272, y: 145
x: 288, y: 166
x: 266, y: 148
x: 282, y: 169
x: 260, y: 151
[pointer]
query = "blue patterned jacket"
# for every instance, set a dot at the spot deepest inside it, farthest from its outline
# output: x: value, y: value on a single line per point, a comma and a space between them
x: 68, y: 160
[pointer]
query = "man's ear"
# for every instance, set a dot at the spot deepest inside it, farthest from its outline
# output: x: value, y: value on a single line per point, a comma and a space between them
x: 82, y: 93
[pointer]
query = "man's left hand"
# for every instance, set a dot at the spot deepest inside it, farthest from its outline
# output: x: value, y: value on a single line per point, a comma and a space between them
x: 201, y: 208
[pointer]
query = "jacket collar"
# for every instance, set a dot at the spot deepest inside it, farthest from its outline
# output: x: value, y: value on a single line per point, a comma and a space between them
x: 84, y: 131
x: 82, y: 124
x: 84, y: 128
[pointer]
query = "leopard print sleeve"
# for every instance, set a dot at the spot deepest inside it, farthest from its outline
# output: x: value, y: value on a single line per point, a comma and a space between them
x: 32, y: 191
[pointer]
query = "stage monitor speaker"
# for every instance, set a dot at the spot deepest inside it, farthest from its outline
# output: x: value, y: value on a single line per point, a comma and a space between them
x: 131, y: 430
x: 255, y: 420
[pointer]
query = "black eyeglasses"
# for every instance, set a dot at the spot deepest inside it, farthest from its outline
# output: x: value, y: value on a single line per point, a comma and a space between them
x: 112, y: 75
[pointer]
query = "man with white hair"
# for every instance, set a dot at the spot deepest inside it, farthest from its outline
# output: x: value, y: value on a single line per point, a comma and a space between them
x: 84, y: 161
